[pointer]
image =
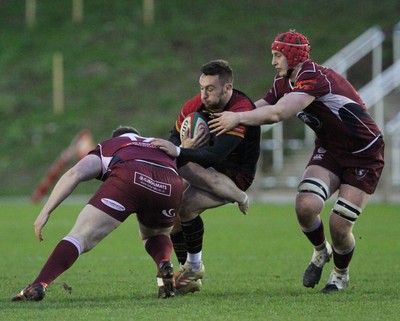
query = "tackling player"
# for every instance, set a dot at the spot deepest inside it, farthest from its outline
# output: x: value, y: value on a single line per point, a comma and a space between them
x: 226, y: 166
x: 348, y: 157
x: 137, y: 178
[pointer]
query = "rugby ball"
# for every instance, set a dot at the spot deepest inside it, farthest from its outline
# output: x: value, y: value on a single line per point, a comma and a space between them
x: 193, y: 123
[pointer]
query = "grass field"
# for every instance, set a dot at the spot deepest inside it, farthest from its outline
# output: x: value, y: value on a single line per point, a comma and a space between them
x: 254, y: 265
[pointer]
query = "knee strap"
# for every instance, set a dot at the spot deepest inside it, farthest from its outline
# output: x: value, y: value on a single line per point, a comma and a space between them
x: 346, y: 210
x: 315, y: 186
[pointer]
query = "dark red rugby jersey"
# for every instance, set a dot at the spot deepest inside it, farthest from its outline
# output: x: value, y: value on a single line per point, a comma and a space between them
x: 338, y: 116
x: 130, y: 146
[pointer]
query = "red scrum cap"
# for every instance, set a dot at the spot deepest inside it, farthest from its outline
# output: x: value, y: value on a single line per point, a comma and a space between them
x: 294, y: 46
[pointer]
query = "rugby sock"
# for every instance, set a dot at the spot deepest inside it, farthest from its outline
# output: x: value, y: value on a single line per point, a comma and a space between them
x: 179, y: 243
x: 194, y: 259
x: 316, y: 234
x: 159, y: 248
x: 193, y: 232
x: 63, y: 257
x: 342, y: 261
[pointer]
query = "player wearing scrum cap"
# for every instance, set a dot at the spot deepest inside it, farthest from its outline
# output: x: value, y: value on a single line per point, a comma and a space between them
x: 348, y: 157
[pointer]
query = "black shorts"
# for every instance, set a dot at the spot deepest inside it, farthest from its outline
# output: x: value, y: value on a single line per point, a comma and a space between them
x: 241, y: 180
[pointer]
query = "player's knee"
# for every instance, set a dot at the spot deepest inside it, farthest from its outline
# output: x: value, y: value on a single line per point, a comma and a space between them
x: 311, y: 197
x: 314, y: 186
x: 346, y: 210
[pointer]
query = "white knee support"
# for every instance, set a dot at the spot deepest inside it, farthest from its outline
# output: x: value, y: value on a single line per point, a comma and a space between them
x: 315, y: 186
x: 346, y: 210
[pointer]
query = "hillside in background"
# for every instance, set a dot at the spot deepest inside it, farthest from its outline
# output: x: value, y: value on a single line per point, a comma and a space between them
x: 120, y: 71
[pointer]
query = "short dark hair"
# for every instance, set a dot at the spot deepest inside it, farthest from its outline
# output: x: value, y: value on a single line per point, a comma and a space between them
x: 124, y: 130
x: 218, y: 67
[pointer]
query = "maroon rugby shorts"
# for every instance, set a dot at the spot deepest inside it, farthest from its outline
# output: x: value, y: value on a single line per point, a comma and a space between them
x: 359, y: 170
x: 152, y: 192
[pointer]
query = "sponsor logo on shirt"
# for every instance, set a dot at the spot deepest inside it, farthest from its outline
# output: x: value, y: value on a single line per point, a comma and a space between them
x: 305, y: 84
x: 152, y: 185
x: 113, y: 204
x: 309, y: 119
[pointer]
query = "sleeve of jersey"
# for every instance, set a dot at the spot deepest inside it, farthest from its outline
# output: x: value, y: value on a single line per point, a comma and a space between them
x: 215, y: 154
x: 312, y: 84
x: 275, y: 92
x: 175, y: 137
x: 241, y: 105
x: 97, y: 151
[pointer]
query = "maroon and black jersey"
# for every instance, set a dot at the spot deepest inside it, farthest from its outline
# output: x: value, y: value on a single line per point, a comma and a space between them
x: 138, y: 178
x: 338, y: 116
x: 236, y: 150
x: 129, y: 147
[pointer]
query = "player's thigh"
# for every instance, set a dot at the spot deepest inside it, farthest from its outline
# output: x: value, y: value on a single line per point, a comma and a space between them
x: 195, y: 201
x: 199, y: 176
x: 328, y: 177
x: 353, y: 195
x: 91, y: 226
x: 147, y: 232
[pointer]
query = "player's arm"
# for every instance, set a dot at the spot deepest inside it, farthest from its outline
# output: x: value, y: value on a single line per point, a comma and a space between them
x: 260, y: 103
x: 216, y: 153
x: 287, y: 106
x: 87, y: 168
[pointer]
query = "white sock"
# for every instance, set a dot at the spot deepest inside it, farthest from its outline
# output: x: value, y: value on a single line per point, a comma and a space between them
x: 194, y: 259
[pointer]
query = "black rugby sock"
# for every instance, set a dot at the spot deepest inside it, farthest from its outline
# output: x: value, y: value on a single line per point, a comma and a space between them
x: 193, y: 232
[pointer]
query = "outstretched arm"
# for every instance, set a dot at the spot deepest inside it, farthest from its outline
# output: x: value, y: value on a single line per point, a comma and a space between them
x: 87, y: 168
x: 287, y: 106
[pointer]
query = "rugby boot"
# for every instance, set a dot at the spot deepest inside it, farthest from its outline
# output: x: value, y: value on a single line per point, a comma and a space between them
x: 34, y: 292
x: 166, y: 288
x: 185, y: 278
x: 313, y: 273
x: 338, y: 281
x: 191, y: 287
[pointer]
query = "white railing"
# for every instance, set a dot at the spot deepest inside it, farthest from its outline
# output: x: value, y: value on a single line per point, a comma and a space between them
x: 393, y: 130
x: 370, y: 41
x: 382, y: 85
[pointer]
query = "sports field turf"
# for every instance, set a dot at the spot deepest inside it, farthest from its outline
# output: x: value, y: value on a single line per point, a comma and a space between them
x: 254, y: 265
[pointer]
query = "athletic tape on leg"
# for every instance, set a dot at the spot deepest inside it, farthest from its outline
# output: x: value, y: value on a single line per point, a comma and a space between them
x: 315, y: 186
x: 346, y: 210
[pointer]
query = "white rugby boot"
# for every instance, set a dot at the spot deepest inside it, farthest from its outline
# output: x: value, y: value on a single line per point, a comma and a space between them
x: 338, y: 281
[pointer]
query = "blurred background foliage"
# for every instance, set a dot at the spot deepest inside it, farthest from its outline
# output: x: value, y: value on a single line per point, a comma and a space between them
x: 120, y: 71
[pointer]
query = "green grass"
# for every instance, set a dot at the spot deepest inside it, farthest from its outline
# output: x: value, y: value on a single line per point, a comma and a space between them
x: 254, y: 267
x: 118, y: 71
